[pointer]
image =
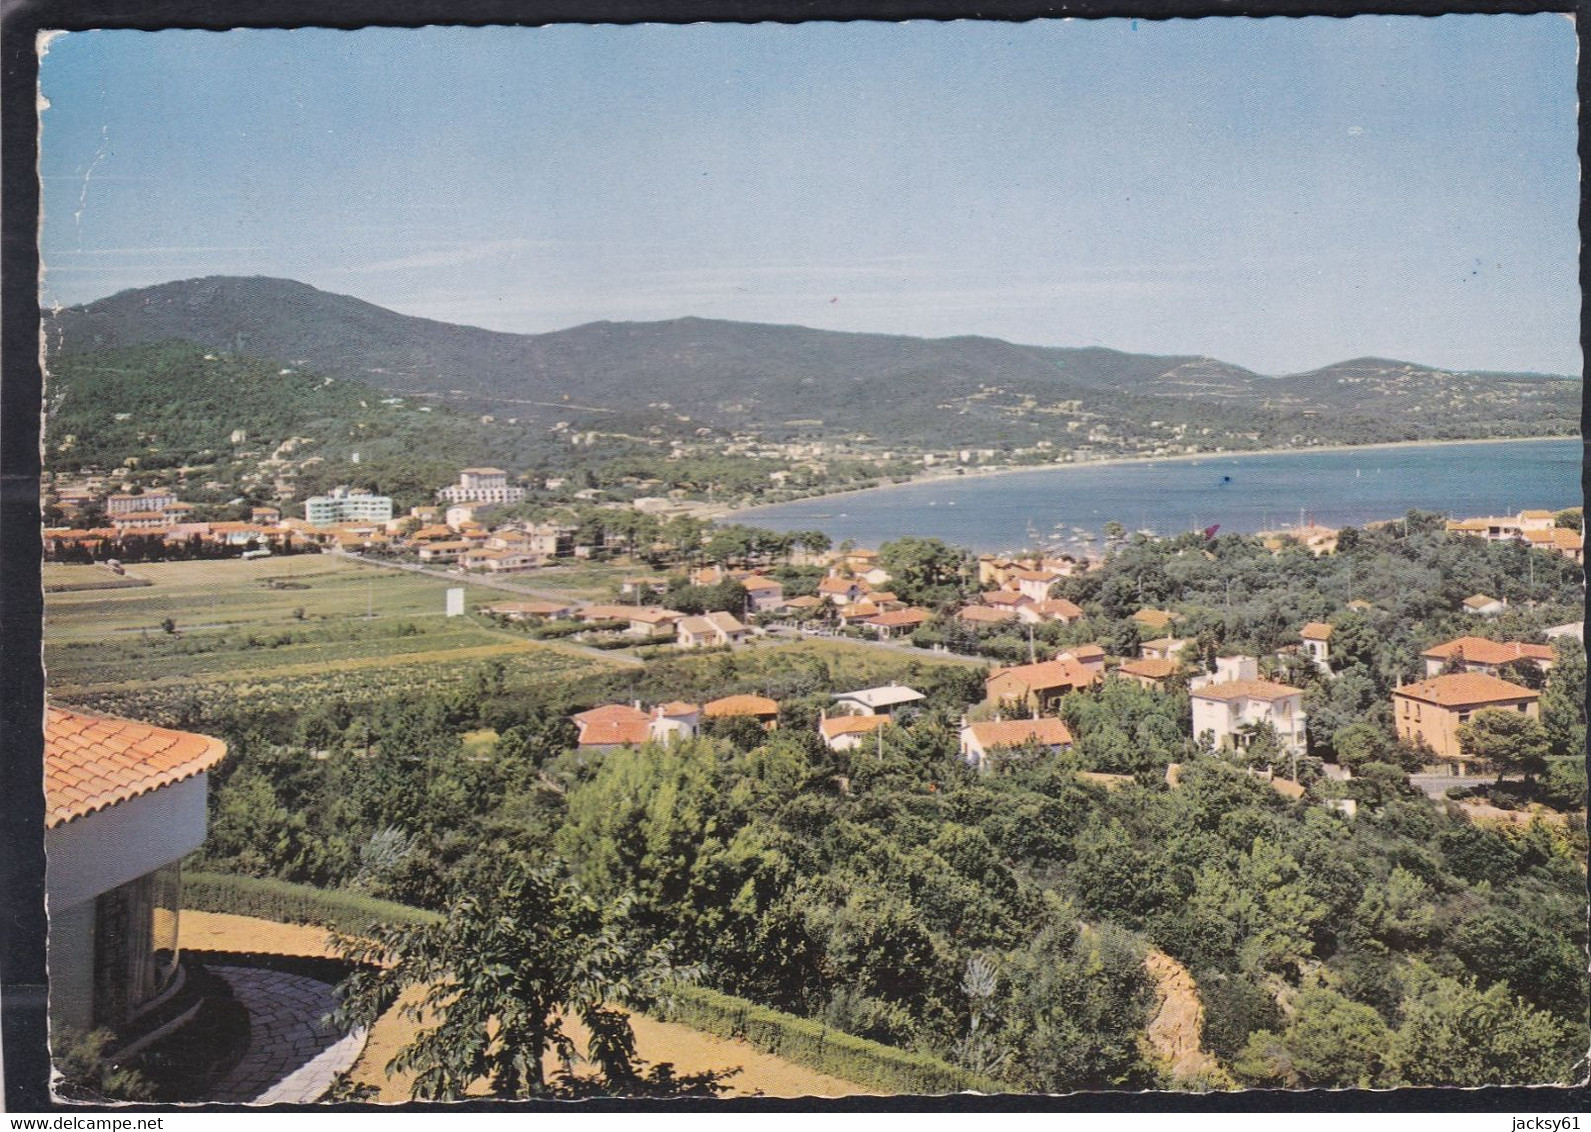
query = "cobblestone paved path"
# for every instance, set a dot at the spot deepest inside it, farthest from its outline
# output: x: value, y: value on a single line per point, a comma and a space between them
x: 293, y: 1055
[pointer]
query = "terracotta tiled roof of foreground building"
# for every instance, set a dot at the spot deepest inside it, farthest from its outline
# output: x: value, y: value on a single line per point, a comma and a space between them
x: 94, y: 761
x: 1316, y: 631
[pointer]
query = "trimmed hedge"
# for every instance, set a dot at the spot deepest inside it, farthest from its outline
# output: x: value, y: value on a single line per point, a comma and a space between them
x: 810, y: 1043
x: 286, y: 903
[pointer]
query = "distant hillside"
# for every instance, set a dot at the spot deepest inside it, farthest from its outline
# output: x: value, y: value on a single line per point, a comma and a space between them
x: 246, y: 425
x: 781, y: 380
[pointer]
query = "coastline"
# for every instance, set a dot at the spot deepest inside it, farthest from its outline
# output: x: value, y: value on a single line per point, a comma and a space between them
x: 721, y: 511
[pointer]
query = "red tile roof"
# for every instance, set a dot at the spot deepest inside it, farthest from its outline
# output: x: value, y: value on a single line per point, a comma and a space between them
x: 1058, y: 607
x: 1152, y: 668
x: 1482, y: 651
x: 95, y: 761
x: 606, y: 612
x: 613, y: 725
x: 986, y: 615
x: 1006, y: 597
x: 859, y: 609
x: 1560, y: 538
x: 1247, y: 690
x: 740, y: 705
x: 1046, y: 675
x: 838, y: 725
x: 652, y: 615
x: 1015, y: 732
x: 900, y: 618
x: 1466, y: 689
x: 1316, y: 631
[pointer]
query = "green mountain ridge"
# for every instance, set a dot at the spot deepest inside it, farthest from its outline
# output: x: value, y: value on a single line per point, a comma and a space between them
x: 756, y: 377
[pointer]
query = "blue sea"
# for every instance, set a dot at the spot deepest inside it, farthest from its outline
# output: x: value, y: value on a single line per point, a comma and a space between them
x: 1057, y: 506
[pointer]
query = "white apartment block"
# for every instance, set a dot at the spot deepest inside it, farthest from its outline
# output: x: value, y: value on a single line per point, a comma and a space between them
x: 344, y: 506
x: 481, y: 485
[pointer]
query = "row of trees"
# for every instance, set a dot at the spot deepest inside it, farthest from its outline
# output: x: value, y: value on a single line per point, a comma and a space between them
x: 999, y: 921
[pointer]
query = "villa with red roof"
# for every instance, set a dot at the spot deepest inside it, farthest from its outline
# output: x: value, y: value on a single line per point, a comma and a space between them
x: 1477, y: 654
x: 709, y: 630
x: 1484, y: 605
x: 124, y: 804
x: 762, y: 593
x: 848, y: 732
x: 1149, y: 671
x: 1431, y: 711
x: 760, y: 708
x: 612, y: 725
x: 1050, y: 609
x: 985, y: 615
x: 1316, y: 639
x: 1230, y: 711
x: 980, y: 740
x: 898, y: 621
x: 842, y: 591
x: 1039, y: 687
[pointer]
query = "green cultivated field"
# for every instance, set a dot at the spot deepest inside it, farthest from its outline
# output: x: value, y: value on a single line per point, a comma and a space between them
x: 593, y: 581
x: 282, y: 631
x: 59, y: 576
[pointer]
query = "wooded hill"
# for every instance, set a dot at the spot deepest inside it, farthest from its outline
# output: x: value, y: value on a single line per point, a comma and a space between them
x: 790, y: 380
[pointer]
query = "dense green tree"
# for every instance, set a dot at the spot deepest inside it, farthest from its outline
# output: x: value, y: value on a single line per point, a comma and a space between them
x: 1074, y: 1002
x: 1510, y: 741
x: 925, y: 571
x: 498, y: 979
x: 1563, y: 702
x: 1329, y: 1042
x: 1454, y: 1034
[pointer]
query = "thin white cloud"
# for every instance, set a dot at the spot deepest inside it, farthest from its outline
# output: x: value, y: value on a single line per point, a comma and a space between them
x: 449, y: 255
x: 154, y: 250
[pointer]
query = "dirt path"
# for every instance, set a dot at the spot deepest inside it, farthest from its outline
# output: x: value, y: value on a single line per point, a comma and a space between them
x: 690, y: 1051
x: 218, y: 931
x: 1173, y: 1032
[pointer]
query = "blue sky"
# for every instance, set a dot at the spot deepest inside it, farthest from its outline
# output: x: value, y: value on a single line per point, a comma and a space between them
x: 1276, y: 193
